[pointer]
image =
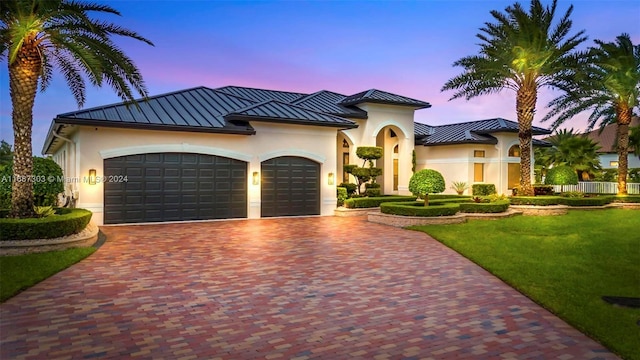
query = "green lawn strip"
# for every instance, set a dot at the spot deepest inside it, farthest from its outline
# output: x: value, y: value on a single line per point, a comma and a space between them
x: 20, y: 272
x: 565, y: 263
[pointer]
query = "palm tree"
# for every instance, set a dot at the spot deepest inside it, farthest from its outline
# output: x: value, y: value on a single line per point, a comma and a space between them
x: 609, y: 87
x: 38, y: 36
x: 521, y: 51
x: 574, y: 150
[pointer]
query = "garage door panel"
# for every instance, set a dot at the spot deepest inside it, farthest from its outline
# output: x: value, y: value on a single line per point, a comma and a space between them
x: 175, y: 186
x: 290, y: 186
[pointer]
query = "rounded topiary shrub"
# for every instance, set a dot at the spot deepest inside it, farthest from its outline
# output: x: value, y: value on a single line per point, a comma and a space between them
x: 426, y: 181
x: 64, y: 222
x: 561, y: 175
x: 47, y: 182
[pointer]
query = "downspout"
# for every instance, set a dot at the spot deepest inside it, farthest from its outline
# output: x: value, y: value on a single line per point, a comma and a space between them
x: 73, y: 188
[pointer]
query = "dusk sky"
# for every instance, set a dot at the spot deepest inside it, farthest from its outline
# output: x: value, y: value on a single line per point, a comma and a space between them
x: 403, y: 47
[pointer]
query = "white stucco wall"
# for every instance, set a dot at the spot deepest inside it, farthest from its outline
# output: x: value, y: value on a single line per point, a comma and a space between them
x: 455, y: 162
x: 380, y: 119
x: 93, y: 145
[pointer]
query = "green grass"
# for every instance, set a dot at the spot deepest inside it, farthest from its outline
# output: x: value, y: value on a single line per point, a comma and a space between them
x: 20, y: 272
x: 565, y: 263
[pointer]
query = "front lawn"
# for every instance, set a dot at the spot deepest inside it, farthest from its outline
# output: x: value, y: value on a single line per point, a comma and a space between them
x: 565, y: 263
x: 23, y: 271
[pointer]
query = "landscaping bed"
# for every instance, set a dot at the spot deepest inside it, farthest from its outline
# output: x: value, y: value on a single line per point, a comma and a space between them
x: 372, y: 202
x: 65, y: 222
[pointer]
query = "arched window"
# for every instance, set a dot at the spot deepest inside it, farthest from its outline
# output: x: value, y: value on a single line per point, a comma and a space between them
x: 514, y: 151
x: 345, y: 144
x: 395, y: 149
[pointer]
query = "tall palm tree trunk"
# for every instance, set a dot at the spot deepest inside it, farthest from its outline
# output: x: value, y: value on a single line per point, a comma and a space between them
x: 23, y: 84
x: 525, y: 107
x: 624, y: 119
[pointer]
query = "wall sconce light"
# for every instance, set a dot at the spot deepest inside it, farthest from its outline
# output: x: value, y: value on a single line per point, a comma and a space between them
x: 92, y: 176
x: 256, y: 178
x: 331, y: 179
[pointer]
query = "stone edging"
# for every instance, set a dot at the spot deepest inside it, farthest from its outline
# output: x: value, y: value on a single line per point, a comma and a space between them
x: 85, y: 238
x: 343, y: 211
x: 404, y: 221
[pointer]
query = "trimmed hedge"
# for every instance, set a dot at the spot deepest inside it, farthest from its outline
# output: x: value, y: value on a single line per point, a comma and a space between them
x: 418, y: 209
x: 371, y: 202
x: 450, y: 200
x: 483, y: 189
x: 626, y: 199
x: 586, y: 201
x: 65, y: 222
x: 448, y: 196
x: 535, y: 200
x: 485, y: 208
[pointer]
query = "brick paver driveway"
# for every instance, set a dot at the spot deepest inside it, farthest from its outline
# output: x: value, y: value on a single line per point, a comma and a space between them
x: 304, y: 288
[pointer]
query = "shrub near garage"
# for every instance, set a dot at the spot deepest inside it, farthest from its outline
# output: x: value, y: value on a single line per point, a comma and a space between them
x: 47, y: 182
x: 65, y: 222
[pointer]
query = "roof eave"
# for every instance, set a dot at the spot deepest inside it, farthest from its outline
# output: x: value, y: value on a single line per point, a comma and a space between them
x: 463, y: 142
x: 147, y: 126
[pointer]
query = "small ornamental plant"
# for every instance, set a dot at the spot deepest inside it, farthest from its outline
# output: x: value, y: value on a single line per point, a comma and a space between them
x: 426, y: 181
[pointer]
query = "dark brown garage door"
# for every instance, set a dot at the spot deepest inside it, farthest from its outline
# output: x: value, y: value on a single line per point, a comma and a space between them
x: 290, y: 186
x: 174, y: 187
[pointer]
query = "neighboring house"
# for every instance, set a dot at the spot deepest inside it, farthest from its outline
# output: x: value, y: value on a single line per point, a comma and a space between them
x: 606, y: 139
x: 236, y: 152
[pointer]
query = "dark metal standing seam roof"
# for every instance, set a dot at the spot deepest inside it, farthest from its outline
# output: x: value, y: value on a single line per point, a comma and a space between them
x: 474, y: 132
x: 278, y: 111
x: 328, y: 102
x: 383, y: 97
x: 260, y: 95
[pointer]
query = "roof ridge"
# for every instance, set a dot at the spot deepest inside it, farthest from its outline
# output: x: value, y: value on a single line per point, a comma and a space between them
x: 254, y: 88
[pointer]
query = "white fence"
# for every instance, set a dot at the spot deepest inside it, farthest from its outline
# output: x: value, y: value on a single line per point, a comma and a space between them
x: 598, y: 187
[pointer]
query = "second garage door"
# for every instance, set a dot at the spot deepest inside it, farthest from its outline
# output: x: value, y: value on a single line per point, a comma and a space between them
x: 174, y: 187
x: 290, y: 186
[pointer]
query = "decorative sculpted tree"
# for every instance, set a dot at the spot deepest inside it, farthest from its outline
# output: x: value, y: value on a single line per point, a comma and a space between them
x: 521, y: 51
x: 37, y: 36
x: 426, y: 181
x: 365, y: 174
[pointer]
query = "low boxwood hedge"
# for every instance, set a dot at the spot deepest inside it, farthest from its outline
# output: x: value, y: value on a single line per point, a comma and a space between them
x: 626, y: 199
x: 535, y: 200
x: 450, y: 200
x: 585, y: 201
x: 447, y: 196
x: 65, y: 222
x: 371, y: 202
x: 485, y: 208
x: 418, y: 209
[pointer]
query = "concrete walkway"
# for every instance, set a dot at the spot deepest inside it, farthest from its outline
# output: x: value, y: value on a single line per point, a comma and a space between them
x: 298, y: 288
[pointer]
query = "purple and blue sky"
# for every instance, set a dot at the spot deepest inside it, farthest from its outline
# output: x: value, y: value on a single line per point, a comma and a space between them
x: 404, y: 47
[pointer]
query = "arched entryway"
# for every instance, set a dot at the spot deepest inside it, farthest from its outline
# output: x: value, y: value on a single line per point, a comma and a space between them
x: 392, y: 140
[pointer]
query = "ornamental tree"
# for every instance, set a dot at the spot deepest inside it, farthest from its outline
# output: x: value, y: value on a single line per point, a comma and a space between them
x: 426, y: 181
x: 365, y: 174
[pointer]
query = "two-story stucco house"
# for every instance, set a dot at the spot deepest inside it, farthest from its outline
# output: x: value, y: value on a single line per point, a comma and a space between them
x: 236, y: 152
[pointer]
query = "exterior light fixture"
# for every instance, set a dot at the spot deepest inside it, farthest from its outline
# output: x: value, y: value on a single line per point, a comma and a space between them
x: 331, y: 179
x: 92, y: 176
x: 256, y: 178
